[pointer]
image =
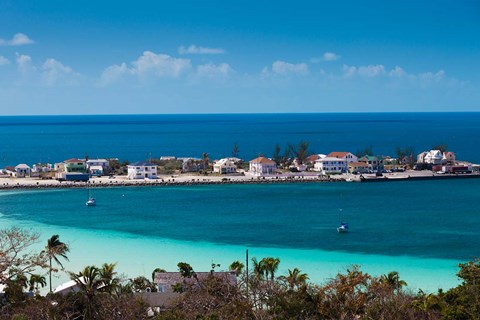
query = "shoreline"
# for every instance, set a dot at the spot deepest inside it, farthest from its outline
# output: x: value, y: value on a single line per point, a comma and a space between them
x: 8, y: 183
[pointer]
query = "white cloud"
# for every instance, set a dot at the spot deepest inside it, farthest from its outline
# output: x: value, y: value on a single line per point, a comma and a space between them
x: 193, y: 49
x: 397, y: 72
x: 330, y: 56
x: 286, y: 68
x: 113, y: 73
x: 19, y: 39
x: 398, y: 77
x: 24, y: 63
x: 369, y: 71
x: 160, y: 65
x: 54, y: 71
x: 327, y: 56
x: 430, y: 76
x: 149, y: 64
x: 211, y: 70
x: 4, y: 61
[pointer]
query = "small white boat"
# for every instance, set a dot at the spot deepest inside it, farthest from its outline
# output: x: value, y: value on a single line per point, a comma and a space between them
x: 91, y: 202
x: 343, y: 228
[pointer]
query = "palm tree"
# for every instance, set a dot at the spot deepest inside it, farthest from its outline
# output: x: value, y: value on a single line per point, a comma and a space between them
x: 392, y: 279
x: 54, y: 249
x: 276, y: 155
x: 258, y: 268
x: 235, y: 150
x: 108, y: 275
x: 295, y: 278
x: 206, y: 161
x: 90, y: 281
x: 237, y: 267
x: 271, y: 266
x: 302, y: 151
x: 35, y: 281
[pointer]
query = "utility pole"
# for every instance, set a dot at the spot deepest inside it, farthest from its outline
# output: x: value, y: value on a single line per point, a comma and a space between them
x: 246, y: 263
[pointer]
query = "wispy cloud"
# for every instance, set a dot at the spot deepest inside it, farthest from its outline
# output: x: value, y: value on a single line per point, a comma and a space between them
x: 285, y: 68
x: 211, y: 70
x: 399, y: 77
x: 19, y: 39
x: 4, y: 61
x: 55, y: 72
x: 330, y: 56
x: 369, y: 71
x: 193, y: 49
x: 24, y: 63
x: 149, y: 64
x: 327, y: 56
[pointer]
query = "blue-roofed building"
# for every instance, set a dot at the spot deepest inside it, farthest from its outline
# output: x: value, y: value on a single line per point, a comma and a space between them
x: 142, y: 170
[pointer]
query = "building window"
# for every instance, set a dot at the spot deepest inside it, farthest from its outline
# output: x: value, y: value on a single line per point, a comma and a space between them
x: 162, y: 287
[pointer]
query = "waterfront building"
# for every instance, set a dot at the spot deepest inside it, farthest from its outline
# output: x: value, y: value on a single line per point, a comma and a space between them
x: 347, y: 156
x: 331, y: 165
x: 75, y: 165
x: 192, y: 164
x: 433, y: 157
x: 59, y: 167
x: 448, y: 157
x: 262, y: 166
x: 357, y: 167
x: 142, y: 170
x: 22, y: 170
x: 224, y: 166
x: 42, y: 167
x: 98, y: 166
x: 374, y: 163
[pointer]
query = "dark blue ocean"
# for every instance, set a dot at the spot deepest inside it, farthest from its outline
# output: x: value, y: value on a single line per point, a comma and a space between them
x: 422, y: 229
x: 31, y: 139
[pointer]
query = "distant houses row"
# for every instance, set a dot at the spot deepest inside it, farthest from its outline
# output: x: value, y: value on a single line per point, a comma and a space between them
x: 332, y: 163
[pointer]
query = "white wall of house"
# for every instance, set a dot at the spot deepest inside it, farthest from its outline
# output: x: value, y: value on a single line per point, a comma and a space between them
x: 434, y: 157
x: 224, y: 166
x: 330, y: 165
x: 22, y: 170
x: 97, y: 166
x: 142, y: 170
x: 347, y: 156
x: 262, y: 166
x: 42, y: 167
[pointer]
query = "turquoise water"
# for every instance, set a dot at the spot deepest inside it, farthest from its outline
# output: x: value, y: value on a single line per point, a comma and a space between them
x: 139, y: 137
x: 423, y: 228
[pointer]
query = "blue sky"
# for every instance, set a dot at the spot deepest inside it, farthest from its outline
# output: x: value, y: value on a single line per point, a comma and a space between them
x: 104, y: 57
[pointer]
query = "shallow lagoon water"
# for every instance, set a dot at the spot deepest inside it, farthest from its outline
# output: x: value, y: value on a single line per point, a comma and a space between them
x: 422, y: 229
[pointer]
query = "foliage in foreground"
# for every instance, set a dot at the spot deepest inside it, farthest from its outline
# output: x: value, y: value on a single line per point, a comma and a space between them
x: 264, y: 295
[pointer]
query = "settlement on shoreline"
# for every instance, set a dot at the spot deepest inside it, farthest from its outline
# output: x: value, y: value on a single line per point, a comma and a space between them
x: 8, y: 183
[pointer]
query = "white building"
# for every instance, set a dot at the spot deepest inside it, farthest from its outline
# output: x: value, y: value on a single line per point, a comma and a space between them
x: 42, y: 167
x: 434, y: 157
x: 142, y: 170
x: 224, y: 166
x: 347, y: 156
x: 98, y: 166
x: 262, y: 166
x: 22, y: 170
x: 331, y: 165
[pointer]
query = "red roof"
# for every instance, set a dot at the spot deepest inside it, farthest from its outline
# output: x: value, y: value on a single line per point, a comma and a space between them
x: 262, y: 160
x: 312, y: 158
x: 337, y: 154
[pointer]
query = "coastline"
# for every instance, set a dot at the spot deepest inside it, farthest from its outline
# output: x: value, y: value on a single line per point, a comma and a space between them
x: 8, y: 183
